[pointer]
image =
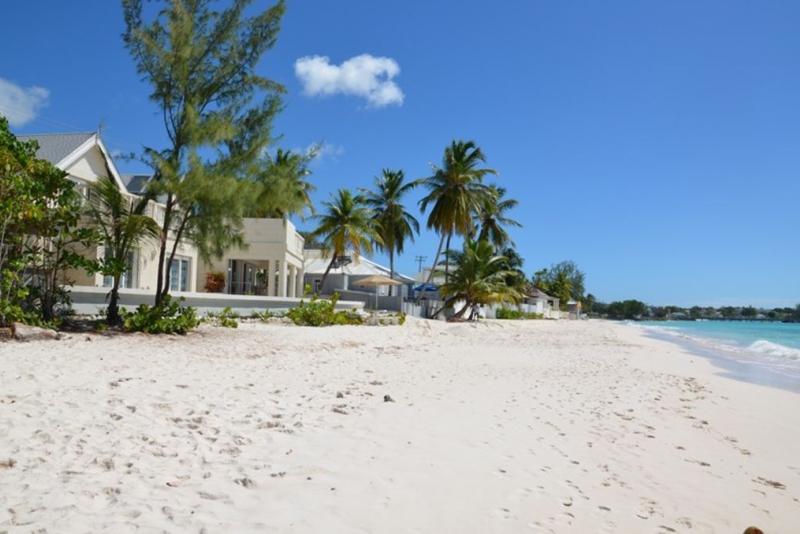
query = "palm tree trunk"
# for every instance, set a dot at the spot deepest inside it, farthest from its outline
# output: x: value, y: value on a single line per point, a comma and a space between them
x: 112, y: 316
x: 435, y: 261
x: 460, y: 312
x: 391, y: 268
x: 325, y: 275
x: 447, y: 258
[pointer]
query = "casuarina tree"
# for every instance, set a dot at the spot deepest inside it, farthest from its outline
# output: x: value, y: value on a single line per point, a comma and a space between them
x: 217, y: 113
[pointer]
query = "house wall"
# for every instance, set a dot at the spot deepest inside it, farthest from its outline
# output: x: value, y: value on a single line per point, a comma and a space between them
x: 89, y: 167
x: 147, y: 264
x: 266, y: 240
x: 335, y: 282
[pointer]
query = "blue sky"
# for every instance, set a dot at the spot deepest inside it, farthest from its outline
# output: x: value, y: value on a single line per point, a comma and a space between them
x: 657, y: 144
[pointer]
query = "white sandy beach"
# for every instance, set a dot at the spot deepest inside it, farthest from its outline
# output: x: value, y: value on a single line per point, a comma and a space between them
x: 496, y: 427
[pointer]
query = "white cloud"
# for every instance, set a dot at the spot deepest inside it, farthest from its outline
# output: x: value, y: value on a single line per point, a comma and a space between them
x: 322, y: 150
x: 326, y: 150
x: 365, y: 76
x: 19, y: 105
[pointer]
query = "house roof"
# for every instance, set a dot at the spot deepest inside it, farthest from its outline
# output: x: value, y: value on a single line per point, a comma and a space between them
x: 363, y: 267
x: 55, y: 147
x: 536, y: 292
x: 136, y: 182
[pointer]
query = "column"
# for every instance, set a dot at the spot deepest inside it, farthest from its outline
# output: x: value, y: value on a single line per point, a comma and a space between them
x: 300, y: 282
x: 282, y: 279
x: 292, y: 281
x: 270, y: 278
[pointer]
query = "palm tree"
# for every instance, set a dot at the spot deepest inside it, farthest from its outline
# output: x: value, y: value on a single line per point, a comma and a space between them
x: 455, y: 192
x: 282, y: 187
x: 346, y: 224
x: 122, y: 225
x: 479, y: 277
x: 393, y: 222
x: 492, y: 220
x: 514, y: 263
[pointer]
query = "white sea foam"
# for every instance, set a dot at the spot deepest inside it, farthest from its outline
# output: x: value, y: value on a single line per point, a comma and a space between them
x: 774, y: 349
x: 779, y: 358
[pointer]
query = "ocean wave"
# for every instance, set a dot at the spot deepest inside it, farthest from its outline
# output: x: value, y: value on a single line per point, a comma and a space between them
x: 769, y: 348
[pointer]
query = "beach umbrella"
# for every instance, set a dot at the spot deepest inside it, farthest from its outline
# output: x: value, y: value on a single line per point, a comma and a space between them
x: 378, y: 280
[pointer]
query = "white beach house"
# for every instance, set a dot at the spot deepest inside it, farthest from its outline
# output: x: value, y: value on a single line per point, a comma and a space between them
x: 344, y: 277
x: 537, y: 301
x: 85, y: 159
x: 274, y: 245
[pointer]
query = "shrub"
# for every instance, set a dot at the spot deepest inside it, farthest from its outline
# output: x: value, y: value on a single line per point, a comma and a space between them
x: 507, y: 313
x: 227, y: 318
x: 169, y: 317
x: 322, y: 312
x: 215, y: 282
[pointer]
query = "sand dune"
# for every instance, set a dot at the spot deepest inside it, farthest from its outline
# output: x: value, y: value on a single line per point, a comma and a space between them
x: 495, y: 427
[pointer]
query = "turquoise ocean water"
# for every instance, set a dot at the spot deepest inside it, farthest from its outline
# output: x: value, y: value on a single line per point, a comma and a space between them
x: 753, y: 348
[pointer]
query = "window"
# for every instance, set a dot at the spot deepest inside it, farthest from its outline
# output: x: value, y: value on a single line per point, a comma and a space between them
x: 179, y: 274
x: 128, y: 278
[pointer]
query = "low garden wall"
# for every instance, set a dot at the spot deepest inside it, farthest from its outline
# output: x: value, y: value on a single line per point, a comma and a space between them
x: 90, y: 300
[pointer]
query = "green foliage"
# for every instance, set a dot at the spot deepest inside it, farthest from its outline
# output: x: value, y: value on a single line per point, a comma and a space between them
x: 510, y: 313
x: 563, y: 280
x: 322, y: 312
x: 346, y: 225
x: 402, y: 319
x: 168, y: 317
x: 217, y: 111
x: 479, y: 277
x: 455, y: 193
x: 281, y: 188
x: 589, y: 303
x: 227, y: 318
x: 39, y: 236
x: 626, y: 309
x: 514, y: 263
x: 456, y: 189
x: 394, y: 223
x: 492, y: 220
x: 265, y: 315
x: 748, y: 312
x: 121, y: 223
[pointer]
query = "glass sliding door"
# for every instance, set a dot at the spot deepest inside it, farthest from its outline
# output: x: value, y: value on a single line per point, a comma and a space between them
x: 179, y: 274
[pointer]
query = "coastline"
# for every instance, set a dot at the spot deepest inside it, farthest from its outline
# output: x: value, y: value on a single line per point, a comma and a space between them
x: 501, y: 426
x: 726, y: 361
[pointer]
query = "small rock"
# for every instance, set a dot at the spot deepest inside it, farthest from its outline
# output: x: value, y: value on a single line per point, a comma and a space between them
x: 24, y: 332
x: 388, y: 398
x: 339, y: 395
x: 8, y: 464
x: 245, y: 482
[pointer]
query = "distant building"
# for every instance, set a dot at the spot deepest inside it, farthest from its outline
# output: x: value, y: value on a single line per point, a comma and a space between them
x: 541, y: 302
x: 346, y: 273
x: 270, y: 265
